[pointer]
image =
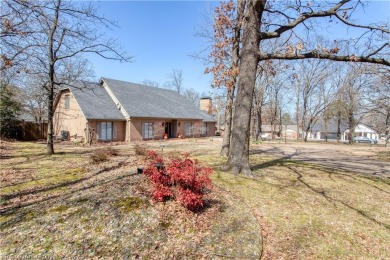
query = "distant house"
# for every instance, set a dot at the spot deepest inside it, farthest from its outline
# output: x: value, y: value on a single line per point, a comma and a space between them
x: 321, y: 132
x: 114, y: 110
x: 283, y: 131
x: 291, y: 132
x: 363, y: 130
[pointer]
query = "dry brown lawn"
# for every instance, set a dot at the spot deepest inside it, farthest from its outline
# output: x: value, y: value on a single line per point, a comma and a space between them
x: 314, y: 205
x: 294, y: 207
x: 66, y: 206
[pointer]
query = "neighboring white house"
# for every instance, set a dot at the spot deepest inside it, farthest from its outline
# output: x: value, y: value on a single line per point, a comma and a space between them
x: 318, y: 131
x: 362, y: 130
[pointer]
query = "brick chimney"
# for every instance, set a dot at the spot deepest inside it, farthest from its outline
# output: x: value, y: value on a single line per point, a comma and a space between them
x: 206, y: 104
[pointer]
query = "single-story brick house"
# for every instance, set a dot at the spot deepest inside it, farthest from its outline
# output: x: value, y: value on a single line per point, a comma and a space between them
x: 114, y: 110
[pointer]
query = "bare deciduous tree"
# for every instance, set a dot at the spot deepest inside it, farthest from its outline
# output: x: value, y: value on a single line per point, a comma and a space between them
x: 379, y: 101
x: 15, y: 36
x: 225, y: 58
x: 61, y: 33
x: 266, y: 20
x: 150, y: 83
x: 175, y: 80
x: 315, y: 92
x: 192, y: 95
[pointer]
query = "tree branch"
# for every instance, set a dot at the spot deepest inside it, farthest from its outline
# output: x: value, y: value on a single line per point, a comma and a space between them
x: 93, y: 49
x: 378, y: 50
x: 316, y: 55
x: 360, y: 26
x: 301, y: 19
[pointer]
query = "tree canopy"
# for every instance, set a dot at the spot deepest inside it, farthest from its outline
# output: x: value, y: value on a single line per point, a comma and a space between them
x: 50, y: 40
x: 9, y: 109
x: 284, y: 30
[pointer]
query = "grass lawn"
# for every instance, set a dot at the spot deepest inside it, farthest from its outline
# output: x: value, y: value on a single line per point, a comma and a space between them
x: 66, y: 206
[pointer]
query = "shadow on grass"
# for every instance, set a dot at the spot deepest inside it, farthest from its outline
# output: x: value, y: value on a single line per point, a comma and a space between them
x: 364, y: 166
x: 32, y: 157
x: 29, y: 180
x: 20, y: 212
x: 286, y: 161
x: 359, y: 178
x: 57, y: 186
x: 330, y: 199
x: 279, y: 161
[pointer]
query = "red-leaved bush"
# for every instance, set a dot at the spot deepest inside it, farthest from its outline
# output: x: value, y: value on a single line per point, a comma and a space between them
x: 179, y: 178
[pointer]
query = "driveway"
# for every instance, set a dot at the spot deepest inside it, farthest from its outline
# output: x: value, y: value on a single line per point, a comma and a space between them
x: 355, y: 158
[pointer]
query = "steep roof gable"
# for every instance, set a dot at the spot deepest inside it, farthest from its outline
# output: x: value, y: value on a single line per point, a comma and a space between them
x: 143, y: 101
x: 360, y: 127
x: 94, y: 101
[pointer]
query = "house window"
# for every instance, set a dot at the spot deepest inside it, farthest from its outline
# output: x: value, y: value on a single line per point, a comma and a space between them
x: 187, y: 128
x: 67, y: 103
x: 105, y: 130
x: 147, y: 130
x: 203, y: 130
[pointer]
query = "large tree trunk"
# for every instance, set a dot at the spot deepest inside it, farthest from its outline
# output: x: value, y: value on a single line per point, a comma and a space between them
x: 228, y: 122
x: 50, y: 94
x: 304, y: 134
x: 338, y: 126
x: 387, y: 132
x: 253, y: 123
x: 308, y: 126
x: 238, y: 159
x: 297, y: 114
x: 50, y: 101
x: 351, y: 122
x: 230, y: 95
x: 274, y: 120
x: 326, y: 129
x: 304, y: 115
x: 280, y: 134
x: 259, y: 122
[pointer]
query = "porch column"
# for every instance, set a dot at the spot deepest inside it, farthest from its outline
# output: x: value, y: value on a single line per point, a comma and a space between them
x: 128, y: 130
x: 86, y: 132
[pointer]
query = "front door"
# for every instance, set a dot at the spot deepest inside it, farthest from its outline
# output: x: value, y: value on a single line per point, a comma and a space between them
x: 168, y: 129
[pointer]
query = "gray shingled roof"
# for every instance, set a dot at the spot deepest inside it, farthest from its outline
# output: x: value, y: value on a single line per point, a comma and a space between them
x: 332, y: 126
x: 95, y: 102
x: 206, y: 117
x: 143, y: 101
